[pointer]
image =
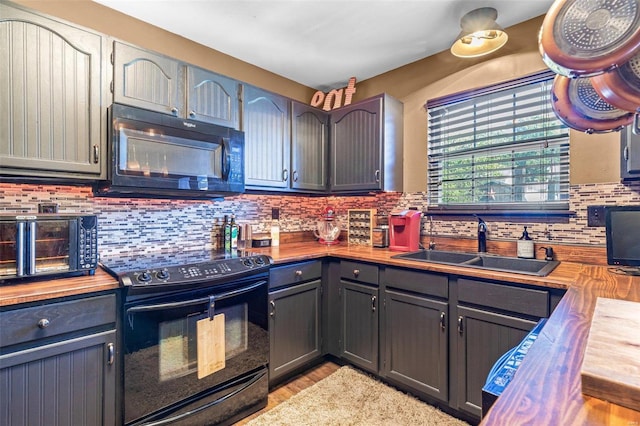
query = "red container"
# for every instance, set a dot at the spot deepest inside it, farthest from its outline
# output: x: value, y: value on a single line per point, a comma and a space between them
x: 404, y: 230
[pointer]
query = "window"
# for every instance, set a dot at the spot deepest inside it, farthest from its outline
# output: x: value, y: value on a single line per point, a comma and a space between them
x: 501, y: 147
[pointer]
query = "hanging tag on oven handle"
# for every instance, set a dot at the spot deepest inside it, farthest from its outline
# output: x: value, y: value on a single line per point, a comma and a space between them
x: 211, y: 308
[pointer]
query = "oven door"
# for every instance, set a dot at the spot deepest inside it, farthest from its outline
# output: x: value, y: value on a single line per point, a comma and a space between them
x: 163, y: 372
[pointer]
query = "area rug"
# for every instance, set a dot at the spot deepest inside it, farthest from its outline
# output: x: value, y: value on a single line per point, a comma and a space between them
x: 350, y: 397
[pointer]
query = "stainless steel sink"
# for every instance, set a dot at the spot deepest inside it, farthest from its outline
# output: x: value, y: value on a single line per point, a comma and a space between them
x: 516, y: 265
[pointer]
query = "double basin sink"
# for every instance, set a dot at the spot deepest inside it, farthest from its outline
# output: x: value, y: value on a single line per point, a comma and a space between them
x: 517, y: 265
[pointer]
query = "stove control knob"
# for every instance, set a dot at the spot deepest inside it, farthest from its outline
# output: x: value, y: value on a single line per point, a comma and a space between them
x: 144, y: 277
x: 259, y: 261
x: 162, y: 275
x: 247, y: 262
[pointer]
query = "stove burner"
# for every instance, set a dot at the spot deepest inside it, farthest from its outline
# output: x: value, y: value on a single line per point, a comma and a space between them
x: 159, y: 271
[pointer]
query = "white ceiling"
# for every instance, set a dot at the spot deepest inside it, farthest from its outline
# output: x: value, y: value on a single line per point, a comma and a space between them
x: 322, y: 43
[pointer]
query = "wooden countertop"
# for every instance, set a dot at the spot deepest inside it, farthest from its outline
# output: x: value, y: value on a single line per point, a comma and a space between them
x: 547, y: 388
x: 33, y: 291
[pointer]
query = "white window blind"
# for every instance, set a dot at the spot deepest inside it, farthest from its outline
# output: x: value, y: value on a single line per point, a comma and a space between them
x: 501, y: 147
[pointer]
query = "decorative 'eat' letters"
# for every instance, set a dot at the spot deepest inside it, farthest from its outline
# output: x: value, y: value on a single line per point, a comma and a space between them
x: 336, y: 95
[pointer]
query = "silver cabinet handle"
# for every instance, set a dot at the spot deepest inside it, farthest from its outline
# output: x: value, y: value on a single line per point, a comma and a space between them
x: 460, y: 328
x: 285, y: 175
x: 273, y: 308
x: 373, y: 303
x: 111, y: 353
x: 377, y: 174
x: 442, y: 321
x: 626, y: 153
x: 298, y: 273
x: 356, y: 272
x: 174, y: 111
x: 96, y: 154
x: 43, y: 323
x: 192, y: 114
x: 295, y: 175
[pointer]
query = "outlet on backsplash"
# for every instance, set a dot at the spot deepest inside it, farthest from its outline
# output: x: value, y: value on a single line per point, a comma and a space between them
x: 595, y: 215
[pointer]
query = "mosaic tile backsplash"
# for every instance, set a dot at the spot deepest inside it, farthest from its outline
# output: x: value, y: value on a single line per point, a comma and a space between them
x: 129, y: 224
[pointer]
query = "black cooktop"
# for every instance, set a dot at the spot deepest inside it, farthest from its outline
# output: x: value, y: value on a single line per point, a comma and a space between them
x: 163, y: 268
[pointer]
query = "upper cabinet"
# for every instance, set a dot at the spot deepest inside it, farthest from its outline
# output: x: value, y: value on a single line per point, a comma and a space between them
x: 309, y: 147
x: 266, y: 124
x: 156, y: 82
x: 629, y: 154
x: 52, y: 88
x: 366, y: 146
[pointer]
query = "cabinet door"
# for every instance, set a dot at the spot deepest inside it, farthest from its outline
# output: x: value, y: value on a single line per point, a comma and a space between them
x: 265, y: 123
x: 212, y: 98
x: 416, y: 349
x: 359, y: 334
x: 629, y: 154
x: 309, y: 147
x: 294, y: 329
x: 147, y: 80
x: 66, y: 383
x: 483, y: 337
x: 52, y: 118
x: 356, y: 146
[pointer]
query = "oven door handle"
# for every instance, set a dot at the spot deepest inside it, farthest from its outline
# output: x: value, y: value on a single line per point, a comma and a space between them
x: 233, y: 293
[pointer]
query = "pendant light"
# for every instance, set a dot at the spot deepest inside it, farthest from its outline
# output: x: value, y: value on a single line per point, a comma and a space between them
x: 480, y: 34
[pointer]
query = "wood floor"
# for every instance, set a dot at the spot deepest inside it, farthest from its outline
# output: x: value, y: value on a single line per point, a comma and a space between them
x: 293, y: 386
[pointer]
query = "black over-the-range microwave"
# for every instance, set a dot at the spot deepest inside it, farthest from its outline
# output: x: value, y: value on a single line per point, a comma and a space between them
x: 158, y: 155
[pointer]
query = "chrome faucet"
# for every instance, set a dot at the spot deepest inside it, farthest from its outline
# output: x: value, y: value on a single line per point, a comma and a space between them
x: 482, y: 235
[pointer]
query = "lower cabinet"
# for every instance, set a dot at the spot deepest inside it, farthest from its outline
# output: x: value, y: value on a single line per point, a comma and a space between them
x: 58, y: 363
x: 491, y: 319
x: 294, y: 317
x: 414, y: 332
x: 359, y: 314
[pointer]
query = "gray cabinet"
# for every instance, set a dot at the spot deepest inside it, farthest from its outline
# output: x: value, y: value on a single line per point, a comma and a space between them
x: 359, y: 314
x: 52, y: 91
x: 156, y: 82
x: 366, y: 146
x: 629, y: 154
x: 266, y: 122
x: 309, y: 148
x: 295, y: 299
x: 58, y: 363
x: 491, y: 319
x: 414, y: 334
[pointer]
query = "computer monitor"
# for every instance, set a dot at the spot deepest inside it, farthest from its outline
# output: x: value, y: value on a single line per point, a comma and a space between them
x: 623, y: 235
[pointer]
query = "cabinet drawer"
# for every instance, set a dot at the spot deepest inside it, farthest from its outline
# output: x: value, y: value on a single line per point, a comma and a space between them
x: 515, y: 299
x: 296, y: 273
x: 356, y: 271
x: 23, y: 325
x: 418, y: 282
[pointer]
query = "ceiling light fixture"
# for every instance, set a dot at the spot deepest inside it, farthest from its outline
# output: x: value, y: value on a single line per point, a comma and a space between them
x: 480, y: 34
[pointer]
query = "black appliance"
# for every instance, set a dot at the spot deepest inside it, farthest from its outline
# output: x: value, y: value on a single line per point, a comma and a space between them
x: 158, y: 155
x: 38, y: 245
x: 167, y: 297
x: 622, y: 231
x: 505, y: 368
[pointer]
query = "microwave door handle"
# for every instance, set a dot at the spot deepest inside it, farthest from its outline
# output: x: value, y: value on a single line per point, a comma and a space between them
x: 226, y: 158
x: 203, y: 300
x: 31, y: 248
x: 20, y: 248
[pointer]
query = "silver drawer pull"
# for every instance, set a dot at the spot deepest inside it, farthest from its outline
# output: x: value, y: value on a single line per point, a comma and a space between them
x: 298, y: 273
x: 356, y: 272
x: 111, y: 353
x: 43, y: 323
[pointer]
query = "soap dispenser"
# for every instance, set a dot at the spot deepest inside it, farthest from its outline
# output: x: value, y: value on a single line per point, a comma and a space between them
x: 525, y: 246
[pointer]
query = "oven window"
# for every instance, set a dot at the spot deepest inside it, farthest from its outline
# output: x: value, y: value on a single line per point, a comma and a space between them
x: 178, y: 341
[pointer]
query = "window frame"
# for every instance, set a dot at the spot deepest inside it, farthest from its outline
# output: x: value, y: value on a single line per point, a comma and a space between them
x: 552, y: 209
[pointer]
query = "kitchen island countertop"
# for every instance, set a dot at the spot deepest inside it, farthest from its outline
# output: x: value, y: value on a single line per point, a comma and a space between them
x: 547, y: 388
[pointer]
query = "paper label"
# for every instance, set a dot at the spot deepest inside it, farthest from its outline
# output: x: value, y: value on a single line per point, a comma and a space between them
x: 210, y: 345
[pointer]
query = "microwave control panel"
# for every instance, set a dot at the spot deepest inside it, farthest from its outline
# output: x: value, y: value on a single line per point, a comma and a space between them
x: 87, y: 242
